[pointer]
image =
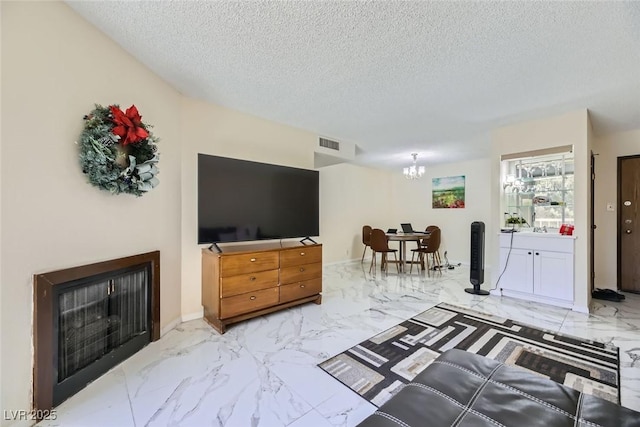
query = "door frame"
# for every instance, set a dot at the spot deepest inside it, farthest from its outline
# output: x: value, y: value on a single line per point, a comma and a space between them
x: 619, y: 215
x: 592, y: 222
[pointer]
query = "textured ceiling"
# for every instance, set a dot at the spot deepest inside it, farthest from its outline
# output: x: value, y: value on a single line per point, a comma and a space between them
x: 392, y: 77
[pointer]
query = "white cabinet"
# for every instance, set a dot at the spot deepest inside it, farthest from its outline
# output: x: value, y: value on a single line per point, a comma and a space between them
x: 520, y: 260
x: 537, y: 267
x: 553, y: 275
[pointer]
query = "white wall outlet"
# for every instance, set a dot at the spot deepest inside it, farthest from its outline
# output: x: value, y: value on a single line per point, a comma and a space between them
x: 610, y: 207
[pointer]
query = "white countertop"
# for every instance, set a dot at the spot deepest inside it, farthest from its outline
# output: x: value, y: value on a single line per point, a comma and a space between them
x: 550, y: 234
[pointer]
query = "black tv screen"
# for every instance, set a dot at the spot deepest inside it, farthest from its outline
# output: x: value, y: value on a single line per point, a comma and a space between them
x: 240, y: 200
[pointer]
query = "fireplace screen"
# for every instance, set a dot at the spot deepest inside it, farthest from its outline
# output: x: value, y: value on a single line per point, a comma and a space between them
x: 89, y: 318
x: 98, y: 317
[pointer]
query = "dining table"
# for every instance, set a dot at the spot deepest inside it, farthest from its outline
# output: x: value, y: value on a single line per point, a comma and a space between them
x: 403, y: 238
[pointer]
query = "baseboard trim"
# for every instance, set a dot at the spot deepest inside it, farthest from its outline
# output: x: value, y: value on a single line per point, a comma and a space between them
x: 348, y: 261
x: 178, y: 320
x: 193, y: 316
x: 580, y: 309
x: 170, y: 326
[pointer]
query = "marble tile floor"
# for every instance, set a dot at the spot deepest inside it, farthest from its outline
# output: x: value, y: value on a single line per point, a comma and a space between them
x: 263, y: 372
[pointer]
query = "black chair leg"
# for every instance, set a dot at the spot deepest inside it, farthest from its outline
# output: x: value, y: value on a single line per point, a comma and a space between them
x: 363, y: 252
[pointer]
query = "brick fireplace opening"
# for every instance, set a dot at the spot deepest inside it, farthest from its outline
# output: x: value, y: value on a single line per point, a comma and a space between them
x: 88, y: 319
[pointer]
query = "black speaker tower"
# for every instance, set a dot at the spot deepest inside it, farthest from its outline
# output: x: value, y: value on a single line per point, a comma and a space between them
x: 477, y: 259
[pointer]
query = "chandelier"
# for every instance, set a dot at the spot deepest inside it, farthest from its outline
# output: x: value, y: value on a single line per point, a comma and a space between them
x: 413, y: 171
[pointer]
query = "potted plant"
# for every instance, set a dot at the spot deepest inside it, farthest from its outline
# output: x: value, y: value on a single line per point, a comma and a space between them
x: 514, y: 221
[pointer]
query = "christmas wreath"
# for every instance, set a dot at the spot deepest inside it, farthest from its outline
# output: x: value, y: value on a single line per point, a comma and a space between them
x: 118, y: 152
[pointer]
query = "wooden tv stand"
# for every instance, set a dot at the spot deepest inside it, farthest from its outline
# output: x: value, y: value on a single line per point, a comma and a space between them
x: 247, y: 281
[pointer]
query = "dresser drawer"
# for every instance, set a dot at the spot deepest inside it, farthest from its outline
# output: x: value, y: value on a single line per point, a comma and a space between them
x: 249, y: 302
x: 231, y: 265
x: 302, y: 255
x: 243, y: 283
x: 299, y: 290
x: 300, y: 273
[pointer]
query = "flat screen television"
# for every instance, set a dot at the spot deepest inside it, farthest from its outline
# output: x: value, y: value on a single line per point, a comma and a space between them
x: 240, y: 200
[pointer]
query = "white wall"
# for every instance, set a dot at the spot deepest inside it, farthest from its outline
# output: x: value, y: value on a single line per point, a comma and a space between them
x: 609, y: 148
x: 210, y: 129
x: 352, y: 196
x: 412, y: 202
x: 568, y: 129
x: 55, y: 67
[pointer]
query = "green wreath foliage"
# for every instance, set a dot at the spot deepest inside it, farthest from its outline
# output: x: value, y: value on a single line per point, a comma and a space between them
x: 111, y: 165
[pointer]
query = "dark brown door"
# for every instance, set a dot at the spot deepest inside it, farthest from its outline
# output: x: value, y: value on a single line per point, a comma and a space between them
x: 629, y: 223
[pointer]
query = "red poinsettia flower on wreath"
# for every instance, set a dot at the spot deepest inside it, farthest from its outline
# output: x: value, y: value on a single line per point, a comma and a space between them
x: 128, y: 125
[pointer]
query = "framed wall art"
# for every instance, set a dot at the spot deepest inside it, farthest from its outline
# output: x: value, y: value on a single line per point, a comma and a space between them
x: 448, y: 192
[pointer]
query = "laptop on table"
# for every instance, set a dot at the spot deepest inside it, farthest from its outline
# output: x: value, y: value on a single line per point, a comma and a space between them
x: 408, y: 228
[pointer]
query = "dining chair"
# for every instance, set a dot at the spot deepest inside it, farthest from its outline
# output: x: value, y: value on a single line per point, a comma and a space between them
x: 437, y: 253
x: 380, y: 243
x: 428, y: 231
x: 425, y: 242
x: 431, y: 247
x: 366, y: 239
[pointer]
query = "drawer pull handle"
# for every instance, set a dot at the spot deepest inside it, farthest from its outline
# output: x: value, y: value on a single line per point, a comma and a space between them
x: 528, y: 253
x: 252, y: 260
x: 302, y: 286
x: 301, y: 253
x: 537, y: 253
x: 301, y: 269
x: 252, y: 278
x: 252, y: 297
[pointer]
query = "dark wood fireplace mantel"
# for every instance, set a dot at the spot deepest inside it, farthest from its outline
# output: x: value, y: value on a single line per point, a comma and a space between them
x: 47, y: 290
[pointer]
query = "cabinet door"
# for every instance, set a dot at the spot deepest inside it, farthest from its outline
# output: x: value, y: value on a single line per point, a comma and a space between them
x: 519, y: 273
x: 553, y: 274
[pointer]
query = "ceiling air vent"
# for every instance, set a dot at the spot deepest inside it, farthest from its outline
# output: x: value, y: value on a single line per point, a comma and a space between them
x: 327, y: 143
